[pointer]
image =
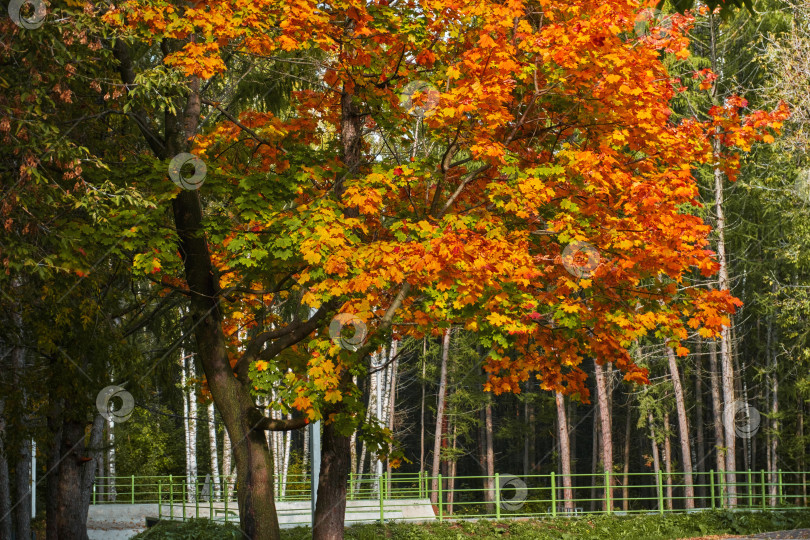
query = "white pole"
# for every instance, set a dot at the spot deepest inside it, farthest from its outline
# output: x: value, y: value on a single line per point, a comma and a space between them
x: 33, y: 479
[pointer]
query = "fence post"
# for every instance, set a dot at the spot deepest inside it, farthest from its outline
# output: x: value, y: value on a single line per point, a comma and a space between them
x: 722, y: 488
x: 659, y: 480
x: 762, y: 485
x: 133, y: 488
x: 440, y: 499
x: 380, y: 492
x: 497, y: 496
x: 750, y: 490
x: 196, y: 498
x: 211, y: 499
x: 607, y: 491
x: 553, y: 495
x: 711, y: 485
x: 94, y: 493
x: 781, y: 489
x: 185, y: 488
x: 160, y: 499
x: 171, y: 497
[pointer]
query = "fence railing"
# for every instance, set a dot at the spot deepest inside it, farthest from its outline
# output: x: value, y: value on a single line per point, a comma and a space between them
x: 459, y: 497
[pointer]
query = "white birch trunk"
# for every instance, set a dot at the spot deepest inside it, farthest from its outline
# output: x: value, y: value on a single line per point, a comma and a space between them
x: 212, y: 445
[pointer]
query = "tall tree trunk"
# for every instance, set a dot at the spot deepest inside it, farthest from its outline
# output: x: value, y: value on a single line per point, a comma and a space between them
x: 717, y: 409
x: 392, y: 397
x: 213, y: 450
x: 489, y: 495
x: 605, y: 431
x: 683, y: 429
x: 699, y: 435
x: 330, y: 507
x: 437, y: 439
x: 5, y: 480
x: 626, y: 472
x: 54, y: 457
x: 656, y: 455
x: 227, y: 474
x: 451, y: 471
x: 668, y: 460
x: 773, y: 449
x: 565, y: 451
x: 422, y: 411
x: 22, y: 463
x: 71, y: 518
x: 89, y: 468
x: 597, y: 436
x: 111, y: 489
x: 723, y: 285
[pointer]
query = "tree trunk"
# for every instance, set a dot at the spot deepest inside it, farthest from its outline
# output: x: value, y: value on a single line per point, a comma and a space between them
x: 227, y: 474
x: 89, y: 469
x: 597, y: 434
x: 605, y: 431
x: 683, y: 429
x: 71, y: 521
x: 22, y: 464
x: 55, y: 425
x: 626, y: 478
x: 723, y: 285
x: 668, y: 461
x: 656, y: 456
x: 565, y: 451
x: 212, y: 446
x: 773, y: 449
x: 422, y: 411
x: 699, y: 435
x: 451, y: 471
x: 717, y: 409
x: 5, y: 480
x: 330, y: 507
x: 437, y: 439
x: 489, y: 439
x: 392, y: 397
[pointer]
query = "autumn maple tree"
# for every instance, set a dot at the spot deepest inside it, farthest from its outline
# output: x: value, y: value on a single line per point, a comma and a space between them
x: 513, y: 168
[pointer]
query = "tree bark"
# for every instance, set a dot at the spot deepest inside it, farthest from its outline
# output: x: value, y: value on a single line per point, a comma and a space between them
x: 330, y: 507
x: 723, y: 285
x: 699, y: 435
x: 565, y: 451
x: 655, y: 454
x: 437, y: 439
x: 22, y: 464
x: 626, y: 478
x: 605, y: 431
x: 213, y: 451
x: 683, y: 429
x: 668, y: 461
x: 71, y: 520
x: 717, y: 409
x: 489, y: 494
x: 5, y: 480
x: 422, y: 411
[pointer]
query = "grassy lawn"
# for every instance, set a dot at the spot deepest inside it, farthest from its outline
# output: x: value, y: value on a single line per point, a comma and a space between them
x: 648, y: 527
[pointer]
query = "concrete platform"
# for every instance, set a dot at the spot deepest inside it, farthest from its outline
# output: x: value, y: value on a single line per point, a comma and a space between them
x: 122, y: 521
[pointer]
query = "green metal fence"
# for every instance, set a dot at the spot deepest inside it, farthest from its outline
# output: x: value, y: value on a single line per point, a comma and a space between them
x: 503, y: 496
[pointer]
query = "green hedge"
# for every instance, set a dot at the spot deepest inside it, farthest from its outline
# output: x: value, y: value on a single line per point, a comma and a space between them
x: 648, y: 527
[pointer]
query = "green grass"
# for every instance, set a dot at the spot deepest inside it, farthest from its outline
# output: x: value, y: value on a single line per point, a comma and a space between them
x: 647, y: 527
